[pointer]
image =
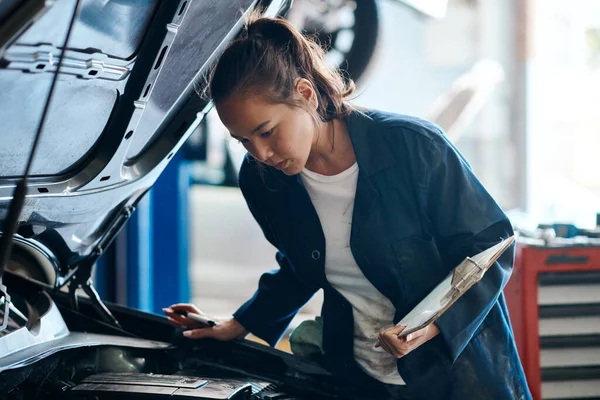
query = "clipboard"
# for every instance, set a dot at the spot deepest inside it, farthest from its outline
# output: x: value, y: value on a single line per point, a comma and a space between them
x: 459, y: 280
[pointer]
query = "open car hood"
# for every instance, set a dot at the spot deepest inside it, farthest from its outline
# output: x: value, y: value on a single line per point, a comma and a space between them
x: 125, y: 101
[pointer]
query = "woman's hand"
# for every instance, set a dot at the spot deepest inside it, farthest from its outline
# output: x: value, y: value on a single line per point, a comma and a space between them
x: 226, y: 328
x: 399, y: 347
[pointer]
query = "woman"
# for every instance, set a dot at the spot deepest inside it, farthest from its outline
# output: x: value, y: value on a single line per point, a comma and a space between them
x: 375, y: 209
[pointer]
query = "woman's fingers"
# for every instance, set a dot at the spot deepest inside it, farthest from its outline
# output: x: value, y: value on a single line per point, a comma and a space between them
x: 396, y: 347
x: 385, y: 343
x: 169, y: 312
x: 401, y: 346
x: 186, y: 307
x: 228, y: 330
x: 177, y: 314
x: 201, y: 333
x: 394, y: 329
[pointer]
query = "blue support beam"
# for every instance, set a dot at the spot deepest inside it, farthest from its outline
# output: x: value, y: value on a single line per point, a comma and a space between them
x: 146, y: 267
x: 139, y: 256
x: 170, y: 215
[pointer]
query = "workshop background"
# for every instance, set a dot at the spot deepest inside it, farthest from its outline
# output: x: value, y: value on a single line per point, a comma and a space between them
x: 516, y: 86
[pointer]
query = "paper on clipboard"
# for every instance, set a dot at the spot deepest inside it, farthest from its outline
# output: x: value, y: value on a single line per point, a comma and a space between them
x: 459, y: 280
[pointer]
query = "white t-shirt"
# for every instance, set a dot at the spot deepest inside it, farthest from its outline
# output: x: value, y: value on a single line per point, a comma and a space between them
x: 333, y: 199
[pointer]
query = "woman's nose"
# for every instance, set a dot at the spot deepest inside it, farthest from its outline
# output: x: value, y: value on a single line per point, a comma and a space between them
x: 263, y: 152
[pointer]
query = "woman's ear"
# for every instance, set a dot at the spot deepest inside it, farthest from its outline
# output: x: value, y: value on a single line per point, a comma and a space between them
x: 306, y: 90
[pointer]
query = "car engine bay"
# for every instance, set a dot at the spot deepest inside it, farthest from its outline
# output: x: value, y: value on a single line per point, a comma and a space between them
x: 71, y: 353
x: 113, y: 372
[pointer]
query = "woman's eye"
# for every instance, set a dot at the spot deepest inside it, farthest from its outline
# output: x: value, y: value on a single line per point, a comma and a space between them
x: 266, y: 134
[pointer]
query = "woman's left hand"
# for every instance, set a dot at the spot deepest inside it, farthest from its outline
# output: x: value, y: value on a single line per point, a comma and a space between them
x: 399, y: 347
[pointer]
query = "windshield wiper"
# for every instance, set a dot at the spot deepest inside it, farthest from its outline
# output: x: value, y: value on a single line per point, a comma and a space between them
x: 16, y: 205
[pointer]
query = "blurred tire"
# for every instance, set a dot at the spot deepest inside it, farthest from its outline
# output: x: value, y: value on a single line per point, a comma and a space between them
x: 358, y: 57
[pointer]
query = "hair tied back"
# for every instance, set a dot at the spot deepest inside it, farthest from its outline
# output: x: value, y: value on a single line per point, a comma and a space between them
x: 268, y: 29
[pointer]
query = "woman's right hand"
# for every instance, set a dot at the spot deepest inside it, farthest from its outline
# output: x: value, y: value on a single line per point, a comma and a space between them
x: 226, y: 328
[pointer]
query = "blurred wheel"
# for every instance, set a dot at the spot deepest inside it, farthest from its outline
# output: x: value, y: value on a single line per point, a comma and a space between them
x: 347, y: 29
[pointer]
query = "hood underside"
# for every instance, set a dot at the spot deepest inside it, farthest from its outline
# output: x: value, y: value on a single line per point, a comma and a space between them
x: 124, y: 102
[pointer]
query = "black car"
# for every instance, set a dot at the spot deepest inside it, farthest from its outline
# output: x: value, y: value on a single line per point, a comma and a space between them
x: 125, y: 100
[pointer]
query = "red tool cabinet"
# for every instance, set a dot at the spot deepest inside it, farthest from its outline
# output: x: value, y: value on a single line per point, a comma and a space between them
x: 553, y: 298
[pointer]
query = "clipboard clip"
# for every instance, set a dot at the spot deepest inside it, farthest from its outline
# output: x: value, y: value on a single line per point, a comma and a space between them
x: 465, y: 275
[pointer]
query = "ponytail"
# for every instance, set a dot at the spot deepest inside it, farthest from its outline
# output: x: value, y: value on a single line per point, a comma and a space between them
x: 268, y: 58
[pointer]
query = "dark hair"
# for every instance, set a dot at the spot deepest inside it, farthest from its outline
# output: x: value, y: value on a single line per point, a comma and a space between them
x: 268, y: 58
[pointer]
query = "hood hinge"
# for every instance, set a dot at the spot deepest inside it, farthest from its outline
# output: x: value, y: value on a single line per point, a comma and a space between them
x: 82, y: 277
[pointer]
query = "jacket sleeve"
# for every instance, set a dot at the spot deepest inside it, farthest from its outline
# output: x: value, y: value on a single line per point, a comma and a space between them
x: 280, y: 295
x: 464, y: 220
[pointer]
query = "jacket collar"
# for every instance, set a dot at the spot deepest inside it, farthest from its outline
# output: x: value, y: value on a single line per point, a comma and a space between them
x: 373, y: 151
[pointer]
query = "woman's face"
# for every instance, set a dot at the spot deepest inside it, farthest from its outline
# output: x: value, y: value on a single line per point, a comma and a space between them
x: 278, y: 135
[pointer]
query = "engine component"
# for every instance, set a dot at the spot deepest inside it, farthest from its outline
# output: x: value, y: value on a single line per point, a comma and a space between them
x: 151, y: 386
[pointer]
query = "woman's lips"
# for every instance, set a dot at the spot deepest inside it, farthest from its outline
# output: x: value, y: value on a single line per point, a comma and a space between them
x: 281, y: 164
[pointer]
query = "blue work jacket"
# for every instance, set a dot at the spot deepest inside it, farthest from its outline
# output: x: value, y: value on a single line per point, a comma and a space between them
x: 419, y: 210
